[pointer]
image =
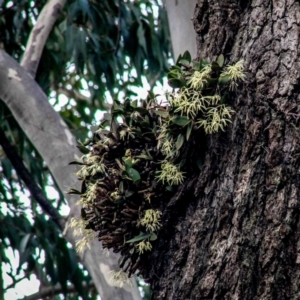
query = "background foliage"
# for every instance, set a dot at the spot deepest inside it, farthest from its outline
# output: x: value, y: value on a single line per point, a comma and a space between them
x: 97, y: 50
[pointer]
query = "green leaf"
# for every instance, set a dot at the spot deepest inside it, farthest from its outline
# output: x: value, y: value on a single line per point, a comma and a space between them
x: 142, y: 236
x: 176, y: 83
x: 196, y: 65
x: 161, y: 112
x: 141, y: 38
x: 141, y: 110
x: 178, y: 59
x: 134, y: 175
x: 153, y: 237
x: 94, y: 129
x: 224, y: 79
x: 24, y: 256
x: 187, y: 56
x: 224, y: 99
x: 73, y: 192
x: 169, y: 188
x: 189, y: 130
x: 127, y: 161
x: 107, y: 116
x: 177, y: 68
x: 145, y: 155
x: 184, y: 62
x: 199, y: 163
x: 128, y: 193
x: 87, y: 142
x: 83, y: 149
x: 24, y: 242
x: 220, y: 60
x: 83, y: 213
x: 134, y: 103
x: 174, y: 74
x: 49, y: 265
x: 76, y: 162
x: 62, y: 272
x: 7, y: 167
x: 215, y: 66
x: 179, y: 142
x: 31, y: 264
x: 204, y: 62
x: 180, y: 120
x: 83, y: 187
x: 121, y: 187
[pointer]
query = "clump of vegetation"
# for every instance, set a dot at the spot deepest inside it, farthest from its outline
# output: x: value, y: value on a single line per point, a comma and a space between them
x: 141, y: 152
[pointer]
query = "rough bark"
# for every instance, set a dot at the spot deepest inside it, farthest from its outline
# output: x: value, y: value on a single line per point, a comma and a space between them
x: 232, y: 231
x: 56, y: 144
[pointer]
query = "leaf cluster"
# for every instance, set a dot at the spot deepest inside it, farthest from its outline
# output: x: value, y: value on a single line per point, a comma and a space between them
x: 94, y: 47
x: 42, y: 251
x: 120, y: 191
x: 141, y: 151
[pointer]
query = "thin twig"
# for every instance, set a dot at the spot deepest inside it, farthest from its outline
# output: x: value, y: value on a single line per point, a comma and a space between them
x: 24, y: 174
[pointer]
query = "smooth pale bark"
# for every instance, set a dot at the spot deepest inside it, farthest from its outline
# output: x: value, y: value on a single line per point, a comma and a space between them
x: 180, y: 14
x: 56, y: 144
x: 234, y: 230
x: 39, y: 35
x: 58, y: 134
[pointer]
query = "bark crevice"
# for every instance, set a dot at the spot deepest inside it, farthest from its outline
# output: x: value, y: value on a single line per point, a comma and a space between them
x: 236, y: 235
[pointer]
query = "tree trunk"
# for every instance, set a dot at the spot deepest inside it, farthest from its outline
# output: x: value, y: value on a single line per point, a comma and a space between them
x: 233, y: 231
x: 183, y: 35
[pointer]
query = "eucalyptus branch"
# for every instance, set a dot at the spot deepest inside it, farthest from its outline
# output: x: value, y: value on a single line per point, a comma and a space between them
x: 53, y: 140
x: 34, y: 189
x: 53, y: 291
x: 39, y: 35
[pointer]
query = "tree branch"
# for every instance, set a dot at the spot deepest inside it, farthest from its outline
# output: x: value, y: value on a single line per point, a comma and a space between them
x: 39, y: 35
x: 34, y: 189
x: 53, y: 291
x: 53, y: 140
